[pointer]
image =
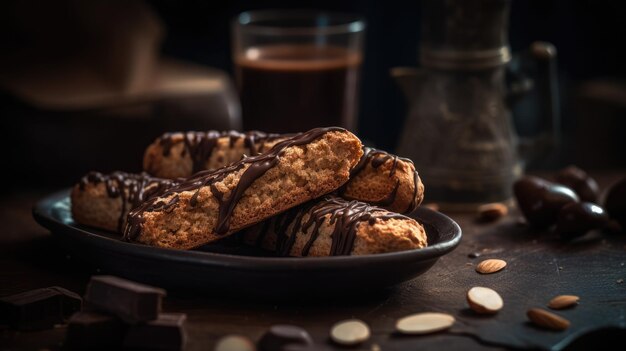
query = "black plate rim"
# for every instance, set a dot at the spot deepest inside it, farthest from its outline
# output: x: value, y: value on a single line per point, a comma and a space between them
x: 42, y: 212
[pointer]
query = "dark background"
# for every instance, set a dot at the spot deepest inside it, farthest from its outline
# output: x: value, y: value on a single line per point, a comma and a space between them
x: 589, y: 36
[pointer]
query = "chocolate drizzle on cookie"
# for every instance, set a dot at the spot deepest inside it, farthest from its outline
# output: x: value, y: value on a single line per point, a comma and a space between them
x: 377, y: 158
x: 256, y: 167
x: 200, y: 145
x: 413, y: 203
x: 308, y: 218
x: 133, y: 189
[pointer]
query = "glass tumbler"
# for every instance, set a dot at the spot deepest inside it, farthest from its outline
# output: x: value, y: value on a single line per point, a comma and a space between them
x: 297, y: 70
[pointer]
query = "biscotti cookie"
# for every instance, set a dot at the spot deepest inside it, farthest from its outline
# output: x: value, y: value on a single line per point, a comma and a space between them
x: 212, y: 204
x: 379, y: 178
x: 104, y: 200
x: 179, y: 155
x: 333, y: 226
x: 384, y: 180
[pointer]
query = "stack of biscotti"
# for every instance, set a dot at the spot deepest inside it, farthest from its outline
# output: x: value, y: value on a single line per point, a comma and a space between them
x: 378, y: 178
x: 306, y: 194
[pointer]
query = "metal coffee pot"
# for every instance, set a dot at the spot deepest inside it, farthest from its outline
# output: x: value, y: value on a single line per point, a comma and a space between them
x: 459, y: 129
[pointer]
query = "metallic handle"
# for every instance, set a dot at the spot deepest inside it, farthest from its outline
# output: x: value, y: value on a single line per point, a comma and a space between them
x: 543, y: 57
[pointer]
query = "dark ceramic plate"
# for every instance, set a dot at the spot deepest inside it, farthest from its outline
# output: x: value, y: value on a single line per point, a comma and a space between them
x: 230, y: 268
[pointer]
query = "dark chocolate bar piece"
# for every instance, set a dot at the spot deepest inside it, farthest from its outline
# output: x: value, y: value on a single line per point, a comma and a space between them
x: 131, y: 301
x: 165, y: 333
x: 39, y: 309
x: 71, y: 302
x: 90, y: 330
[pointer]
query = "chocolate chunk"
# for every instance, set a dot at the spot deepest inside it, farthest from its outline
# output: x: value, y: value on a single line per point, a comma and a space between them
x: 578, y: 180
x: 90, y: 330
x: 71, y: 302
x: 39, y: 309
x: 165, y: 333
x: 281, y: 335
x: 615, y: 203
x: 540, y: 200
x: 131, y: 301
x: 577, y: 218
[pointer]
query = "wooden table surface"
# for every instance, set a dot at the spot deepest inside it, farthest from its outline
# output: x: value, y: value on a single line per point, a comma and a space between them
x: 31, y: 258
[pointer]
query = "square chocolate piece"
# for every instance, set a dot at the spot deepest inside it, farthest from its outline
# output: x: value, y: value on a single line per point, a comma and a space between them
x: 39, y: 309
x: 90, y: 330
x: 131, y: 301
x: 165, y: 333
x: 71, y: 302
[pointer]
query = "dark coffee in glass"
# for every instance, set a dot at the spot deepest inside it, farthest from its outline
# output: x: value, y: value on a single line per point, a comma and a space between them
x: 298, y: 77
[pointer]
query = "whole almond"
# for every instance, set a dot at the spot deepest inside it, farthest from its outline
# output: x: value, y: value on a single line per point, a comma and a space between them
x: 545, y: 319
x: 424, y: 323
x: 350, y: 332
x: 490, y: 266
x: 484, y: 300
x: 492, y: 212
x: 563, y: 301
x: 234, y: 343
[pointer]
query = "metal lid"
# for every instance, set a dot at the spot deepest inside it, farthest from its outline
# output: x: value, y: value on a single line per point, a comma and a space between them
x: 465, y: 34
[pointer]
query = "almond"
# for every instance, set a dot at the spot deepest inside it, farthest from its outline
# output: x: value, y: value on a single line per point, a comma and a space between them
x: 484, y: 300
x: 492, y: 212
x: 563, y: 301
x: 350, y: 332
x: 424, y: 323
x: 490, y: 266
x: 234, y: 343
x: 547, y: 319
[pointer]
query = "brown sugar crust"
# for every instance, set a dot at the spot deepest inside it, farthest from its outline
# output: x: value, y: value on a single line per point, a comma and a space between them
x: 179, y: 155
x: 104, y: 200
x: 332, y: 226
x: 213, y: 204
x: 379, y: 178
x: 385, y: 180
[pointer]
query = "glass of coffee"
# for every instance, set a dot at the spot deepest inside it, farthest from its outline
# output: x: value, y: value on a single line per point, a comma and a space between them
x: 297, y: 70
